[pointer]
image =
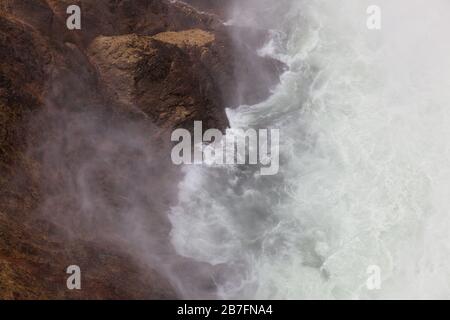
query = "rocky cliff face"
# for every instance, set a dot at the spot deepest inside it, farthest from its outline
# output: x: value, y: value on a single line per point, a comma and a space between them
x: 221, y: 8
x: 157, y: 78
x: 77, y: 109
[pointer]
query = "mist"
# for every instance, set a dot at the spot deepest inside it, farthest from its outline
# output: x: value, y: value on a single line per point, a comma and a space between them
x: 107, y: 177
x: 363, y: 117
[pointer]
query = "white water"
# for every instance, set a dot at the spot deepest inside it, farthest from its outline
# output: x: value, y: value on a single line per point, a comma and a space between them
x: 365, y: 162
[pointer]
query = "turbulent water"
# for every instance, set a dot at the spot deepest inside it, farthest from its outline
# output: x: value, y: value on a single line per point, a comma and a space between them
x: 364, y: 119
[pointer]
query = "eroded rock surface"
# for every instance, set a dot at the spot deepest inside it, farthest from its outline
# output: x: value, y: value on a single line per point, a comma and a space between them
x: 160, y: 79
x: 76, y: 109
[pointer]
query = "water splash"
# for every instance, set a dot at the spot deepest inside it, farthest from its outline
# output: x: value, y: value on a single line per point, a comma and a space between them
x: 364, y: 176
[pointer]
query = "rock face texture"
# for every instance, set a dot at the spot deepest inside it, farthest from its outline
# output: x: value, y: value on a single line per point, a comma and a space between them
x: 85, y: 118
x: 159, y: 79
x: 217, y: 7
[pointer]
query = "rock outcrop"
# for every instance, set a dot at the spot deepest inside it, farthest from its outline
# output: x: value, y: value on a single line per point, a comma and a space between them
x: 140, y: 68
x: 159, y: 79
x: 221, y: 8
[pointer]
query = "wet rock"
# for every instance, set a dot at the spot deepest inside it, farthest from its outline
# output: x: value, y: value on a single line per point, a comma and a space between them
x: 158, y: 79
x: 147, y: 63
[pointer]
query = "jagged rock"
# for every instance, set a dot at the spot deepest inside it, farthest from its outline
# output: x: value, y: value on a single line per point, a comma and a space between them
x: 218, y: 7
x: 159, y: 79
x: 138, y: 62
x: 142, y: 17
x: 187, y: 38
x: 34, y: 253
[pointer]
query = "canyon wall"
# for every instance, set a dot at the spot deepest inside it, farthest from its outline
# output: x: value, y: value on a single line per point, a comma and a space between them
x: 85, y: 122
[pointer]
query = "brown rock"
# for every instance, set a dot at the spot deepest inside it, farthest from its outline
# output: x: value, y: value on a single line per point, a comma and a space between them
x: 187, y: 38
x: 218, y: 7
x: 158, y: 79
x: 72, y: 99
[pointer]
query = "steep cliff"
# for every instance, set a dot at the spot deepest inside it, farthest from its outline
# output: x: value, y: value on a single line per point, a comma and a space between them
x: 89, y: 98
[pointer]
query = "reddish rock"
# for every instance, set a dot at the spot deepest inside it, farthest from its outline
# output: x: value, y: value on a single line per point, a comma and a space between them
x: 158, y: 79
x: 218, y: 7
x: 93, y: 107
